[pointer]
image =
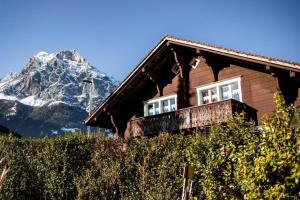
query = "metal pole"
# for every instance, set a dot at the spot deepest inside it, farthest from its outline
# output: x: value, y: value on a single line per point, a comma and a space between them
x: 191, y: 186
x: 90, y: 85
x: 91, y: 104
x: 183, y: 196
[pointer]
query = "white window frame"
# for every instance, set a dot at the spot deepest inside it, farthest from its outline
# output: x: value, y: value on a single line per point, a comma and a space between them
x: 175, y: 69
x: 160, y: 105
x: 218, y: 85
x: 196, y: 60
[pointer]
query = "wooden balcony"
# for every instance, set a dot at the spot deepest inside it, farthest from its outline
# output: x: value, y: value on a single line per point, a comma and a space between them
x: 189, y: 118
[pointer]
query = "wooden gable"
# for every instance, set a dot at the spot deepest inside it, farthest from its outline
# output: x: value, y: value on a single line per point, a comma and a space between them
x: 155, y: 77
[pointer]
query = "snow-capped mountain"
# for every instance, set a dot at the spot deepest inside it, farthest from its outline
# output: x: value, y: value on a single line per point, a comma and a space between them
x: 50, y: 96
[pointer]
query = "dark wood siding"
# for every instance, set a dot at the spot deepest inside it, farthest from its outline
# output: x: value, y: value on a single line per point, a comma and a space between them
x: 257, y: 87
x: 257, y: 84
x: 297, y: 102
x: 200, y: 76
x: 170, y: 88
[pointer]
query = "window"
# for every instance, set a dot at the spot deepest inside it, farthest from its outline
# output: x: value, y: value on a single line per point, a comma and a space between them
x: 153, y: 108
x: 175, y: 69
x: 160, y: 105
x: 194, y: 62
x: 222, y: 90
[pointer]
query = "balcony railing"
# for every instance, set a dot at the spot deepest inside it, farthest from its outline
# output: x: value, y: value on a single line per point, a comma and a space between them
x: 189, y: 118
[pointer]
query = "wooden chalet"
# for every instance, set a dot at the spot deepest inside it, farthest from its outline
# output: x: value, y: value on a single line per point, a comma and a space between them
x: 183, y: 85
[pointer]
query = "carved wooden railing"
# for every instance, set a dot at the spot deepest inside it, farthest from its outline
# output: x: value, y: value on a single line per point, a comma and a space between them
x: 188, y: 118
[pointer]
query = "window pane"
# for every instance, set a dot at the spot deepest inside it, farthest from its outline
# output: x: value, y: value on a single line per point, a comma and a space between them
x: 205, y: 96
x: 150, y: 109
x: 209, y: 95
x: 225, y: 92
x: 156, y: 105
x: 173, y: 104
x: 218, y: 91
x: 235, y: 91
x: 214, y: 95
x: 166, y: 107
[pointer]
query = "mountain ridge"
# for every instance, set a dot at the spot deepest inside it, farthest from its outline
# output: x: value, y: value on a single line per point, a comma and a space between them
x: 49, y: 81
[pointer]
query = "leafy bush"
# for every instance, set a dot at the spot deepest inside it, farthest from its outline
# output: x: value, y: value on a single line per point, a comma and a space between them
x: 156, y: 167
x: 233, y: 161
x: 102, y: 179
x: 269, y: 163
x: 44, y: 168
x: 220, y: 161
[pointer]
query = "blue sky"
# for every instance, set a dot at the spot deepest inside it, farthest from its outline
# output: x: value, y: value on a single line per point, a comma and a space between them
x: 115, y: 35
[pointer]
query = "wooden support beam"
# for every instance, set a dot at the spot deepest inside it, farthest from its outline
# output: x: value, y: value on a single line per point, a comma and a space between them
x: 168, y: 44
x: 215, y: 65
x: 292, y: 74
x: 178, y: 62
x: 114, y: 123
x: 184, y: 75
x: 270, y: 70
x: 276, y: 81
x: 154, y: 80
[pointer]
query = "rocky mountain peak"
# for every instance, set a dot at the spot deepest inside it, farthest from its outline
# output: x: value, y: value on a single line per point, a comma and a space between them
x: 10, y: 75
x: 57, y: 77
x: 72, y: 55
x: 50, y: 79
x: 70, y: 58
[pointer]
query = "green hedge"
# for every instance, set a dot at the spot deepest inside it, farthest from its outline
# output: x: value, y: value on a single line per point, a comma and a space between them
x: 236, y: 161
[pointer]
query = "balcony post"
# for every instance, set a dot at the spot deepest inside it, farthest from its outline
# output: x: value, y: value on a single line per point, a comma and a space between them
x: 191, y: 120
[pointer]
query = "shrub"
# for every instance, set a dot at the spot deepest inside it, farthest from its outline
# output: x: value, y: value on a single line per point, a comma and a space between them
x: 156, y: 167
x: 239, y: 160
x: 44, y: 168
x: 269, y: 164
x: 102, y: 179
x: 233, y: 161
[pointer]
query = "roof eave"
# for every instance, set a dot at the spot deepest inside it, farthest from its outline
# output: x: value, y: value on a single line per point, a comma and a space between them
x: 134, y: 72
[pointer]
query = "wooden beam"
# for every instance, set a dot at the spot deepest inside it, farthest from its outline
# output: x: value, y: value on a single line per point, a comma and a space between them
x: 184, y: 77
x: 168, y: 44
x: 292, y: 74
x: 114, y: 123
x: 178, y: 62
x: 270, y: 70
x: 154, y: 80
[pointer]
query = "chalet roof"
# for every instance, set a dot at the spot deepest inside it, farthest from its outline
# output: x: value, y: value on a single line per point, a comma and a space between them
x: 267, y: 61
x: 242, y: 54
